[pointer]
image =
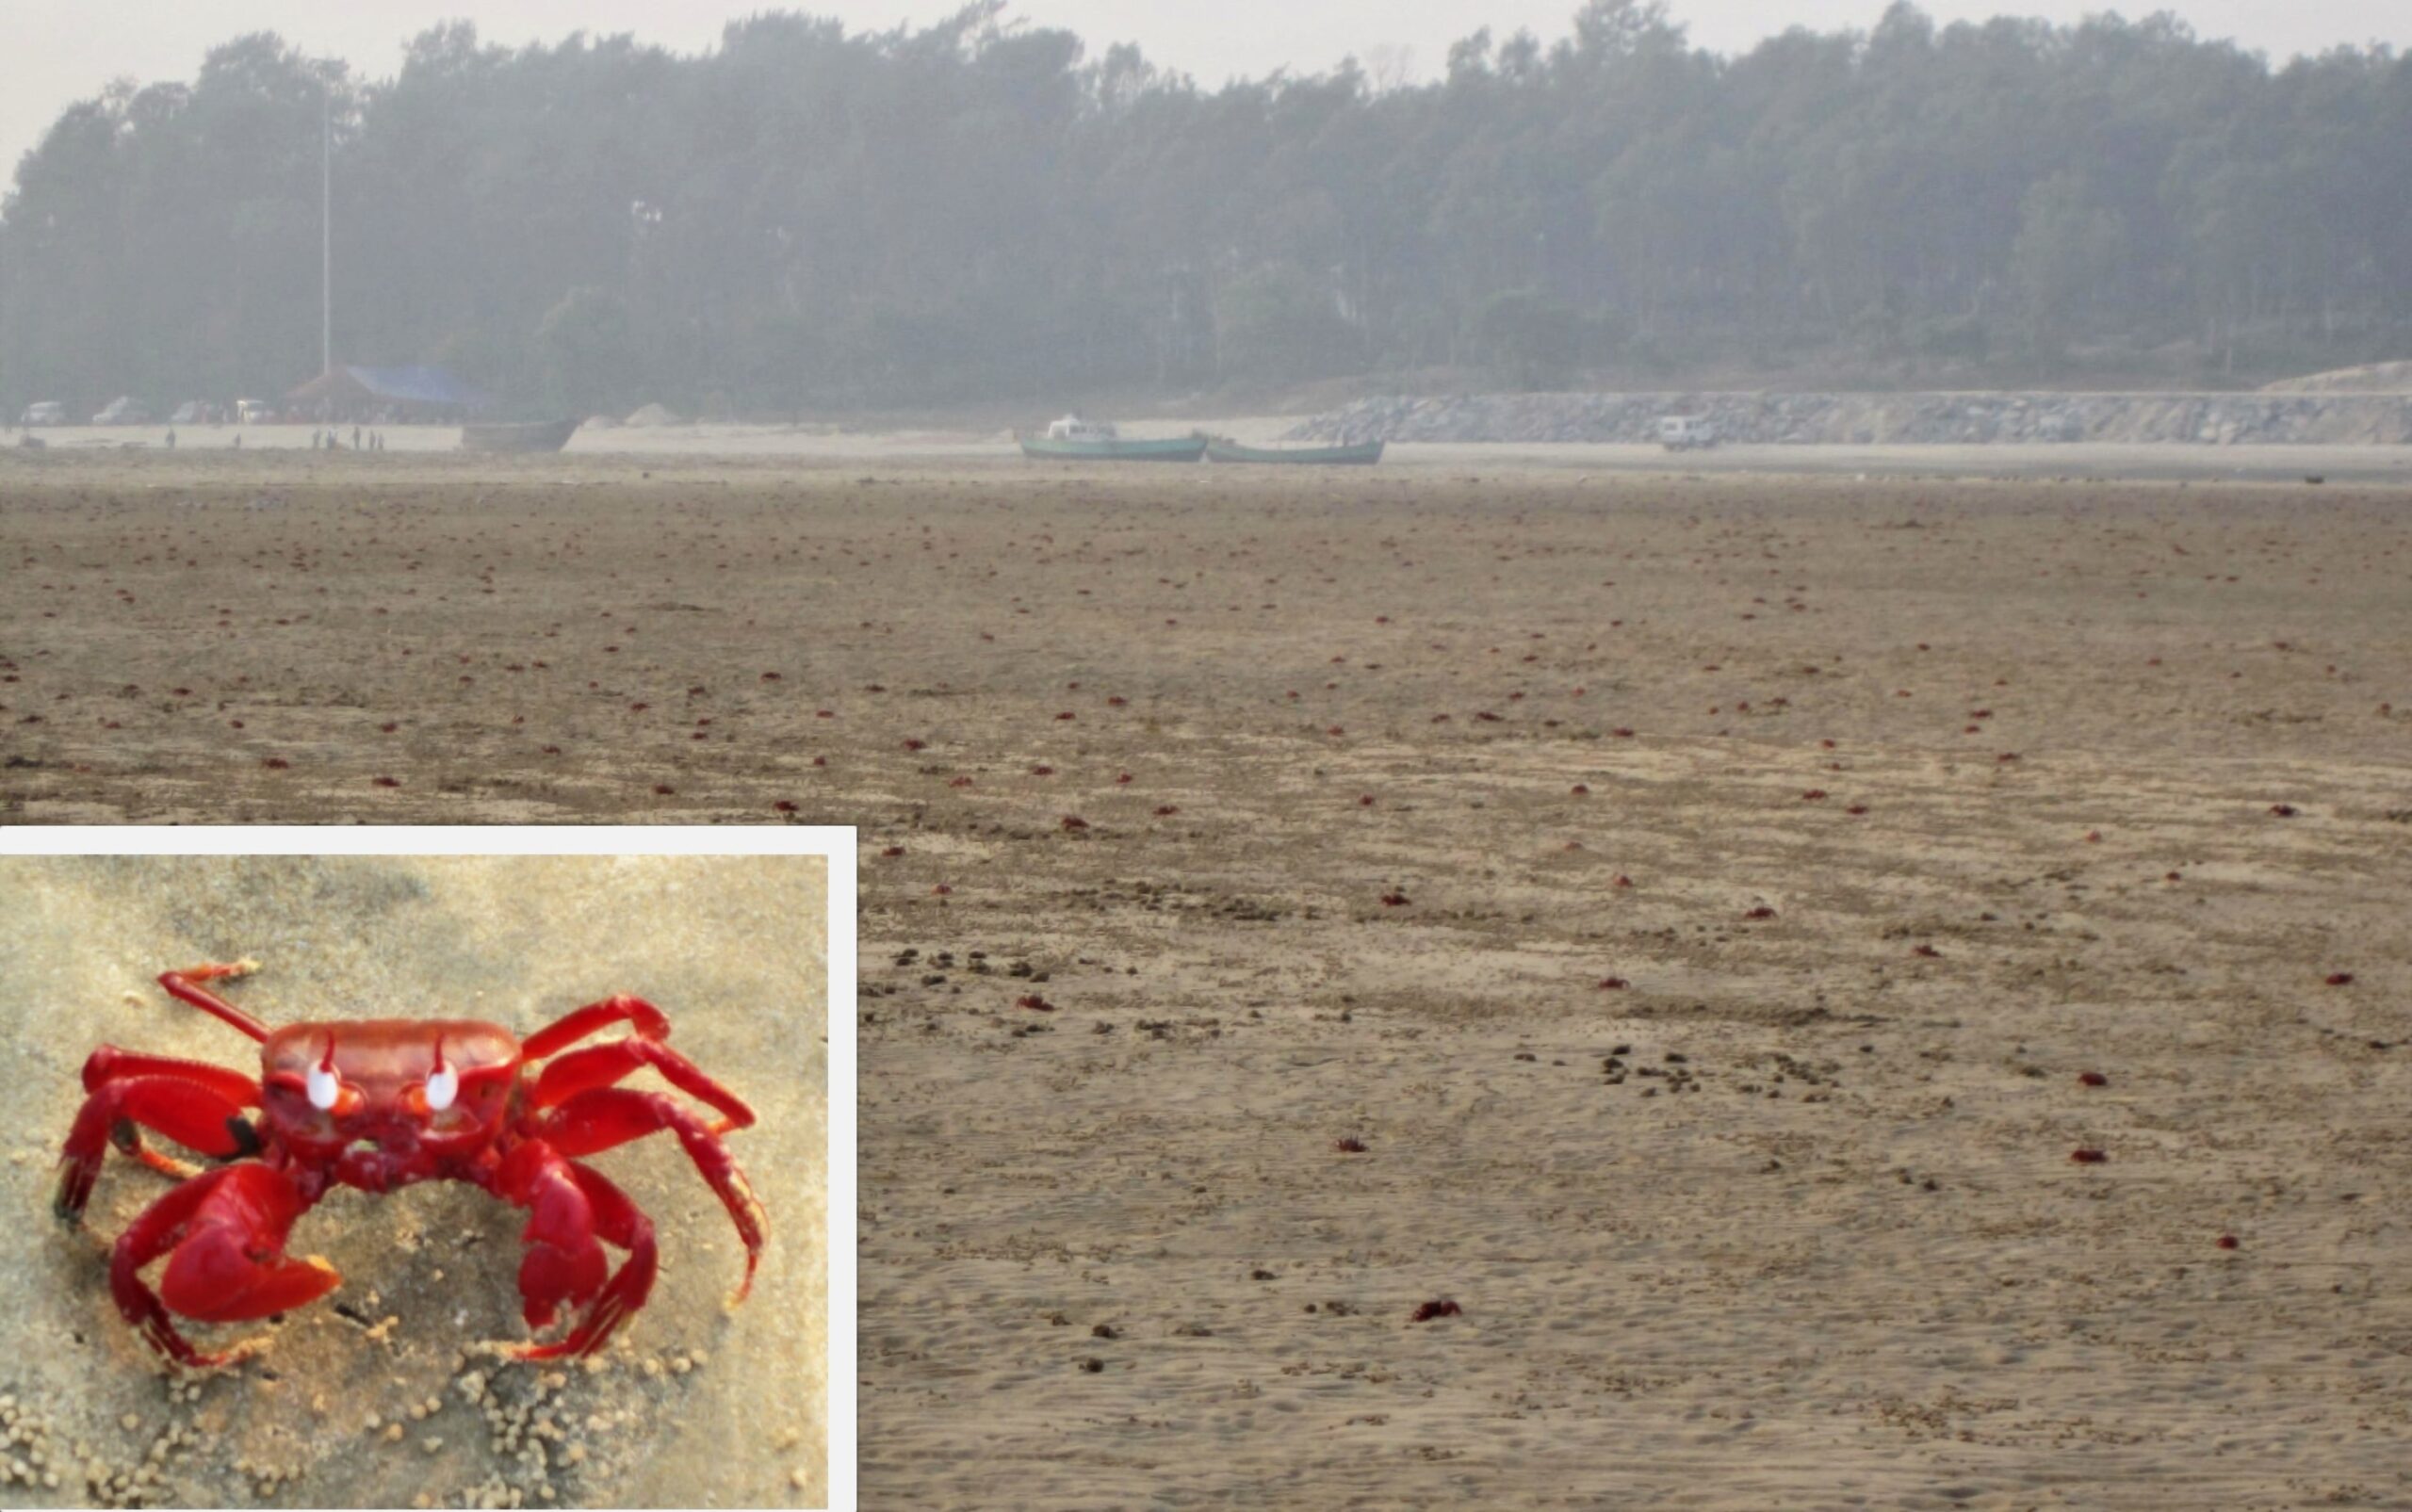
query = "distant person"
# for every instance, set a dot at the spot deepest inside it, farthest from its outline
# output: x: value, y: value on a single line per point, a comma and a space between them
x: 314, y: 439
x: 238, y: 441
x: 172, y: 438
x: 355, y: 438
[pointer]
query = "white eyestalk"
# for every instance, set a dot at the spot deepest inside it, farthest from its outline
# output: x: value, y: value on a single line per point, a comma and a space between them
x: 323, y: 1084
x: 442, y: 1087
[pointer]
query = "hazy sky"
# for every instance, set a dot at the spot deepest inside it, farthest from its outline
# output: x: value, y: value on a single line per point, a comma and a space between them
x: 55, y: 52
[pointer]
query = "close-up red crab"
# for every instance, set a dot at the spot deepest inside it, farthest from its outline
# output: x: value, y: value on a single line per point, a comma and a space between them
x: 378, y: 1104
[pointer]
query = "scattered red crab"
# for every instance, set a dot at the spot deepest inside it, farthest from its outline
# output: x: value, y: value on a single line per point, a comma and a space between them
x: 381, y: 1103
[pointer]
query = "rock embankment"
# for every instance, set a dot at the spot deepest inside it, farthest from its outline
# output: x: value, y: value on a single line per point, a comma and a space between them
x: 1879, y: 419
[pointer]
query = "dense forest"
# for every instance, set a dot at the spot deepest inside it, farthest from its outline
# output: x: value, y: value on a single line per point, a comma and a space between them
x: 805, y: 219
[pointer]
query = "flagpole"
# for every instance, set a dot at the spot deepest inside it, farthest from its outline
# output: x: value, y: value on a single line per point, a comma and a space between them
x: 326, y: 225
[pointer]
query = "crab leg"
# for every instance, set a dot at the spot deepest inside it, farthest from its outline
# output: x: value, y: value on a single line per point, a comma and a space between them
x: 600, y: 1065
x: 609, y: 1117
x: 650, y: 1023
x: 200, y: 1107
x: 225, y: 1235
x: 186, y: 985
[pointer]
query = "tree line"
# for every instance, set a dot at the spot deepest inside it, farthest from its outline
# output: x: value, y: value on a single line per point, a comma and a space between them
x: 805, y: 218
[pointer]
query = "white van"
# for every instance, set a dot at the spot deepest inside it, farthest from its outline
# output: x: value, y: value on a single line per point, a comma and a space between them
x: 47, y: 411
x: 1682, y: 433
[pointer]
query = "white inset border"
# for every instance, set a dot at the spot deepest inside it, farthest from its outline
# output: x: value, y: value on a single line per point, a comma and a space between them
x: 834, y: 843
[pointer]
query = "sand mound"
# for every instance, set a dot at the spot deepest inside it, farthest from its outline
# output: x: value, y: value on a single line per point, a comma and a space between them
x: 2371, y: 378
x: 656, y: 414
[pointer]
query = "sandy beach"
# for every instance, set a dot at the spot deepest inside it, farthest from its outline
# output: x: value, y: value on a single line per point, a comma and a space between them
x: 693, y: 1404
x: 1722, y: 906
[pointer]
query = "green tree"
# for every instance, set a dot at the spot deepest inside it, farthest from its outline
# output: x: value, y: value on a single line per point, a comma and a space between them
x: 590, y: 359
x: 1530, y: 341
x: 2066, y: 261
x: 808, y: 216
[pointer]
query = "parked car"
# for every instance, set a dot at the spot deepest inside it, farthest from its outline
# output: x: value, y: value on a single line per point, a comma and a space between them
x: 45, y: 412
x: 1682, y: 433
x: 194, y: 412
x: 254, y: 411
x: 124, y: 410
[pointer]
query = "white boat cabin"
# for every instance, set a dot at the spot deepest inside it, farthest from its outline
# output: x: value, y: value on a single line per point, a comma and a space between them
x: 1072, y: 428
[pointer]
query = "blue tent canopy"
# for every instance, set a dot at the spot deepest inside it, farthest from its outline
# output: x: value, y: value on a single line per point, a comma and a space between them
x: 349, y: 389
x: 416, y: 385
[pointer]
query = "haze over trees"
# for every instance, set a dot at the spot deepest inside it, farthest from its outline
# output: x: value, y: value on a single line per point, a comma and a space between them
x: 805, y: 218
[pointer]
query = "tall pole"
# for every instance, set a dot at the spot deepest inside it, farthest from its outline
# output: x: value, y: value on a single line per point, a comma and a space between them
x: 326, y: 225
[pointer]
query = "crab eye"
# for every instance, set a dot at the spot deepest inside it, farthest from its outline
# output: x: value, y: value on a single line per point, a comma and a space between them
x: 442, y: 1088
x: 322, y: 1087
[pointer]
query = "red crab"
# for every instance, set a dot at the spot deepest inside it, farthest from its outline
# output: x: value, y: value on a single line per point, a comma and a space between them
x: 381, y: 1103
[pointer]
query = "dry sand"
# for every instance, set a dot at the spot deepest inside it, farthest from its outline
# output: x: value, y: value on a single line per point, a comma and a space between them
x: 693, y: 1406
x: 1837, y: 1254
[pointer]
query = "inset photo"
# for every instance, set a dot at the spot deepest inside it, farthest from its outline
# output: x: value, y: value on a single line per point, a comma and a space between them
x: 419, y: 1179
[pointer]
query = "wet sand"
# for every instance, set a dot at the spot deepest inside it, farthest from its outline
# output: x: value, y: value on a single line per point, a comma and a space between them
x: 694, y: 1403
x: 1753, y: 1179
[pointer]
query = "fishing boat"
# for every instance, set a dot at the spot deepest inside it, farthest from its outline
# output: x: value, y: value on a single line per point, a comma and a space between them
x: 538, y: 435
x: 1364, y: 454
x: 1074, y: 439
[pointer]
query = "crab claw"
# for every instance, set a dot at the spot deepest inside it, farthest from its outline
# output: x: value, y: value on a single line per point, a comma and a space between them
x: 224, y: 1233
x: 571, y: 1206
